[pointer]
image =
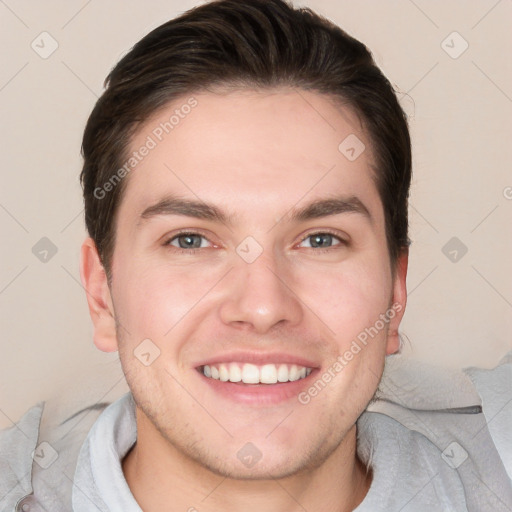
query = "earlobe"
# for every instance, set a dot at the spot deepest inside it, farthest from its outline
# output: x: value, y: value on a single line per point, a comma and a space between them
x: 398, y: 302
x: 99, y: 300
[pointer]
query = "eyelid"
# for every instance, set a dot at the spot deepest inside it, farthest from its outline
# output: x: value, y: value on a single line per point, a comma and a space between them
x: 183, y: 232
x: 303, y: 237
x: 325, y: 231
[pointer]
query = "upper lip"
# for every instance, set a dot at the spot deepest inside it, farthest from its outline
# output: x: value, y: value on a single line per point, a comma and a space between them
x: 258, y: 358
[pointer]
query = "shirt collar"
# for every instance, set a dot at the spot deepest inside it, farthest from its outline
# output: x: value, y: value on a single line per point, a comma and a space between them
x: 99, y: 477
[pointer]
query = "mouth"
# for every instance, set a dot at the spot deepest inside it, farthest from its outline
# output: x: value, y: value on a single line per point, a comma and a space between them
x: 253, y: 384
x: 247, y: 373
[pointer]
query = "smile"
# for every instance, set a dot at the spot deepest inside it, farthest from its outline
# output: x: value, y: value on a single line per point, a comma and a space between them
x: 247, y: 373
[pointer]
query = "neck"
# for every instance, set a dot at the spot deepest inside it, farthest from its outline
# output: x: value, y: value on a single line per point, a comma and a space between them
x: 158, y: 475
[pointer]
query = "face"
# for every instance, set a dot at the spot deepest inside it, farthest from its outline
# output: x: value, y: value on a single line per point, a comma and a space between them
x: 279, y: 276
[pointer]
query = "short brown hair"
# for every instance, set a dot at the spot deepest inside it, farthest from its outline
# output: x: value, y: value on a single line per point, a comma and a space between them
x: 249, y: 44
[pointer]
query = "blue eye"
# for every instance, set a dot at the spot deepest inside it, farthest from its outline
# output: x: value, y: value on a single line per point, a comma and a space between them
x: 322, y: 240
x: 188, y: 242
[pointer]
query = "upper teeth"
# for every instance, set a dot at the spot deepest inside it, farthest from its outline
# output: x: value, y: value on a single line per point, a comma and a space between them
x: 252, y: 374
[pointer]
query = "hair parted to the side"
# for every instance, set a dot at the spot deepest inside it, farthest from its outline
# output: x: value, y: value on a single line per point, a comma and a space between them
x: 259, y: 44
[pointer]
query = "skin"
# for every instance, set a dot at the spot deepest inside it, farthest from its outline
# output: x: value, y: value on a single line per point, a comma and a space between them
x: 256, y: 155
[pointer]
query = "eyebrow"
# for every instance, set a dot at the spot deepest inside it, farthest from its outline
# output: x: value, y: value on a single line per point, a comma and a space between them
x: 200, y: 210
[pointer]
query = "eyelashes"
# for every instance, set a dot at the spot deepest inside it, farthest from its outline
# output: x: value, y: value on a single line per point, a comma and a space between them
x: 323, y: 233
x: 188, y: 235
x: 194, y: 248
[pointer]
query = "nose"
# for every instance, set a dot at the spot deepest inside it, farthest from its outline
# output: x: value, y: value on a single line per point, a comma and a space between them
x: 260, y: 295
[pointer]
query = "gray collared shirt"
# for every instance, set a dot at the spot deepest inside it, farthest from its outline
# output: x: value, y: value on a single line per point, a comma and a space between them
x: 422, y: 459
x: 425, y: 436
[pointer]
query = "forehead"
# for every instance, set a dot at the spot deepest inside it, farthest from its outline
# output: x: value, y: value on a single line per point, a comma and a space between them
x: 237, y: 149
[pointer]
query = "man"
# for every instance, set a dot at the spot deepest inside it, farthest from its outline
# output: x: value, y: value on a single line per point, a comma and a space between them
x: 246, y: 175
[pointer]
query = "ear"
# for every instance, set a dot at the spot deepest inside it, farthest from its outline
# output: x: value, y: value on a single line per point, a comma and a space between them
x: 398, y: 302
x: 101, y: 308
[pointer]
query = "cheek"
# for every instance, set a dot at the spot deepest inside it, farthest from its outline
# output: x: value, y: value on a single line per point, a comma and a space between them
x: 151, y: 298
x: 350, y: 298
x: 350, y: 304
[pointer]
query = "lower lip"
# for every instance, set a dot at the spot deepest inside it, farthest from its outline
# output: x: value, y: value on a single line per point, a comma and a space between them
x: 259, y: 394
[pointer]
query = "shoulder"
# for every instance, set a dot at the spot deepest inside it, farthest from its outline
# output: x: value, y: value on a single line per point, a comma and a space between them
x: 494, y: 387
x: 17, y: 444
x: 38, y: 455
x: 433, y: 418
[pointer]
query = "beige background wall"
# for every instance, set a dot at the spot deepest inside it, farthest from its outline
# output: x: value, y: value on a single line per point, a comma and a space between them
x: 459, y: 312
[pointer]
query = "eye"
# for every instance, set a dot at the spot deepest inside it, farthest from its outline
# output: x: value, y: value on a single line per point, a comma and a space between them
x: 323, y: 240
x: 187, y: 242
x: 190, y: 242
